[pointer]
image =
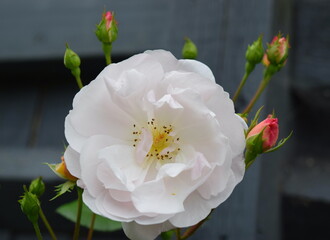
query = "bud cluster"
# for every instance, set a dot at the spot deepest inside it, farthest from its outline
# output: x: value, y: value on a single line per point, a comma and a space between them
x: 29, y: 202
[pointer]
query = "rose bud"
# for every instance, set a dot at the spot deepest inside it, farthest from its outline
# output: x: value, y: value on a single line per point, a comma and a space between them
x: 62, y: 171
x: 269, y: 130
x: 277, y: 52
x: 189, y: 50
x: 37, y: 187
x: 71, y: 59
x: 30, y: 206
x: 107, y: 30
x: 254, y: 54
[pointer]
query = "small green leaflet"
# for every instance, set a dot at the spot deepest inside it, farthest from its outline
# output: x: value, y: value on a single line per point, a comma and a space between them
x: 69, y: 211
x: 63, y: 188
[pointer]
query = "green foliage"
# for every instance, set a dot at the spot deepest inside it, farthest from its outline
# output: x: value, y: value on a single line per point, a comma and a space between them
x: 69, y: 211
x: 63, y: 188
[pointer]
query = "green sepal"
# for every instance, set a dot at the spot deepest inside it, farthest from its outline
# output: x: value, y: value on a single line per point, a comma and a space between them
x: 253, y: 148
x: 69, y: 211
x: 255, y: 120
x: 280, y: 143
x: 63, y: 188
x: 53, y: 168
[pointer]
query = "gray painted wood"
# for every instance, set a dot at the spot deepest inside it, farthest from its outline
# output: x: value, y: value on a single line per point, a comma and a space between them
x: 222, y: 29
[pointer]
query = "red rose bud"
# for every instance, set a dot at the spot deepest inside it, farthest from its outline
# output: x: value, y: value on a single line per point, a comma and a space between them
x: 269, y: 130
x: 107, y: 30
x: 278, y: 51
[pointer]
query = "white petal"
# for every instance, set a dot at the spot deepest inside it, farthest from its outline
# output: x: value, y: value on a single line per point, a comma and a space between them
x: 90, y: 160
x: 174, y: 182
x: 136, y: 231
x: 196, y: 209
x: 176, y: 80
x: 143, y: 146
x: 197, y: 67
x: 94, y: 113
x: 165, y: 58
x: 121, y: 160
x: 71, y: 158
x: 230, y: 125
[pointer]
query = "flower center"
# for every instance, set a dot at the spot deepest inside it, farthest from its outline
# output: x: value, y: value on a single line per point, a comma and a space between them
x: 165, y: 143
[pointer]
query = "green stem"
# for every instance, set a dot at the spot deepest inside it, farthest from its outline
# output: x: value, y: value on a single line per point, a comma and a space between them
x: 91, y: 228
x: 76, y: 73
x: 240, y: 87
x: 45, y: 221
x: 178, y: 234
x: 190, y: 231
x: 256, y: 96
x: 77, y: 226
x: 107, y: 47
x: 37, y: 230
x: 80, y: 85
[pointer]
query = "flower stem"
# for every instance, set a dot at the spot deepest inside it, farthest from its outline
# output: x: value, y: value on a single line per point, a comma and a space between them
x: 91, y: 227
x: 240, y: 87
x: 77, y: 226
x: 256, y: 96
x: 178, y: 234
x: 45, y: 221
x: 76, y: 73
x: 37, y: 230
x: 80, y: 85
x: 107, y: 47
x: 190, y: 231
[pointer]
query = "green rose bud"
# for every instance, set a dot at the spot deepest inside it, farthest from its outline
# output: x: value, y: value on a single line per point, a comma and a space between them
x: 255, y: 52
x: 37, y: 187
x: 30, y: 206
x: 254, y: 55
x: 71, y: 59
x: 189, y: 50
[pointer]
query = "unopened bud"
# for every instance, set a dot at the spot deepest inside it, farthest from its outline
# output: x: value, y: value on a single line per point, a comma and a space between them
x: 37, y: 187
x: 269, y: 130
x: 107, y: 30
x: 189, y: 50
x: 71, y: 59
x: 30, y: 206
x: 61, y: 170
x: 255, y: 52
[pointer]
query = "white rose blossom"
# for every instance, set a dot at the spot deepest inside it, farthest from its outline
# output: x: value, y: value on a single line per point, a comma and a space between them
x: 155, y: 143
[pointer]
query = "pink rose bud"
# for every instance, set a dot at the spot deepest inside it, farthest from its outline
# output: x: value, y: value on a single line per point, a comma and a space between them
x: 277, y: 52
x: 108, y: 19
x: 269, y: 129
x: 107, y: 30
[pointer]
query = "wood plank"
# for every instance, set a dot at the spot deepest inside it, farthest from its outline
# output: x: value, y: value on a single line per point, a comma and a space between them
x: 17, y: 107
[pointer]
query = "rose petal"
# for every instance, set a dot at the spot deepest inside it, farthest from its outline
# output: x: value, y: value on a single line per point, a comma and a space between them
x: 136, y: 231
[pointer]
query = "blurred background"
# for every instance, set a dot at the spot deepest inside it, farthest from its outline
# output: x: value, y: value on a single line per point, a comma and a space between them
x: 285, y: 195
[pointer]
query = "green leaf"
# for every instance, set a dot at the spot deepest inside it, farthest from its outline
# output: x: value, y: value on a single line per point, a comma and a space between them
x: 69, y: 211
x: 167, y: 235
x: 280, y: 143
x: 63, y: 188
